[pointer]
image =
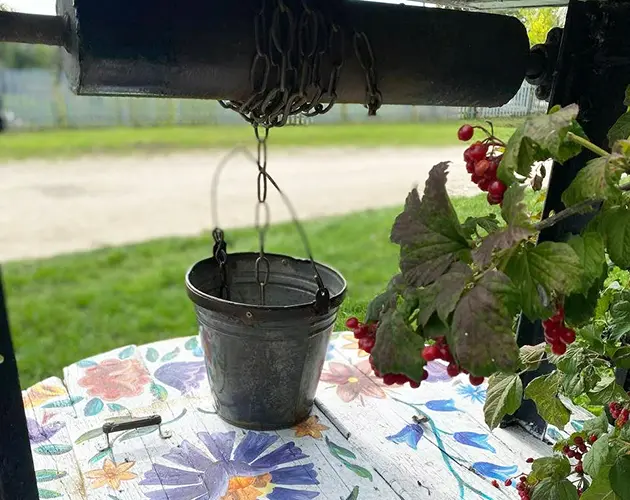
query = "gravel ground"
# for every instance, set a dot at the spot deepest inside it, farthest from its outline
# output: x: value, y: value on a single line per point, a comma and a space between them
x: 49, y: 207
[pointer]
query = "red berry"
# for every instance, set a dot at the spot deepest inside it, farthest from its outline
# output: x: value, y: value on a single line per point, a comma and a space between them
x: 481, y: 167
x: 577, y: 455
x: 476, y: 380
x: 483, y: 184
x: 508, y: 482
x: 430, y: 353
x: 389, y: 379
x: 559, y: 316
x: 445, y: 354
x: 452, y: 370
x: 352, y: 323
x: 476, y: 179
x: 570, y: 453
x: 470, y: 167
x: 495, y: 483
x: 522, y: 479
x: 492, y: 200
x: 497, y: 189
x: 465, y: 133
x: 478, y: 151
x: 367, y: 344
x: 579, y: 468
x: 491, y: 173
x: 565, y: 449
x: 583, y: 448
x: 467, y: 157
x: 567, y: 335
x: 578, y: 440
x: 425, y: 375
x: 361, y: 332
x: 592, y: 438
x: 413, y: 384
x: 559, y: 348
x: 530, y: 460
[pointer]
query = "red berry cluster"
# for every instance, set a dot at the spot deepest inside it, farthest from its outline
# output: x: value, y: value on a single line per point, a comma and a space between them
x: 441, y: 350
x: 366, y: 335
x: 523, y: 487
x: 557, y: 334
x: 577, y: 451
x: 620, y: 413
x: 482, y: 163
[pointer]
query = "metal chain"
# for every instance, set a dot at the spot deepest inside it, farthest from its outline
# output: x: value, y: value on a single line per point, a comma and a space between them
x: 220, y: 254
x: 263, y: 215
x: 363, y: 50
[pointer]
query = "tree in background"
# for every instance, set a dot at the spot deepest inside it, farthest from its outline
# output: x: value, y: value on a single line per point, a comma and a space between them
x: 539, y: 21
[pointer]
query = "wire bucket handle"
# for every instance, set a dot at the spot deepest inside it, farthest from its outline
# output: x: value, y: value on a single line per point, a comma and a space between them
x: 322, y: 296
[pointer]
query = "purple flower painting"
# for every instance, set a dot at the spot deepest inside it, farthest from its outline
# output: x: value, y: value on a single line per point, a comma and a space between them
x: 226, y: 470
x: 183, y: 376
x: 437, y: 372
x: 39, y: 433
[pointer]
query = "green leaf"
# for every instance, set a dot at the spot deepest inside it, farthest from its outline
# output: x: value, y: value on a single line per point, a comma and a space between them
x: 53, y: 449
x: 483, y: 340
x: 556, y: 467
x: 543, y: 391
x: 191, y: 344
x: 532, y: 355
x: 502, y: 240
x: 48, y: 493
x: 397, y: 347
x: 428, y: 232
x: 86, y: 363
x: 504, y: 397
x: 597, y: 425
x: 387, y: 299
x: 620, y: 320
x: 554, y: 267
x: 443, y: 295
x: 621, y: 359
x: 136, y: 433
x: 619, y: 477
x: 159, y: 392
x: 152, y: 354
x: 93, y: 407
x: 590, y: 250
x: 488, y: 223
x: 599, y: 180
x: 600, y: 489
x: 599, y: 458
x: 607, y: 390
x: 91, y: 434
x: 540, y: 138
x: 127, y: 352
x: 550, y: 489
x: 514, y: 208
x: 65, y: 403
x: 339, y: 451
x: 45, y: 475
x: 171, y: 355
x: 101, y: 455
x: 620, y: 130
x: 359, y: 471
x: 579, y: 308
x: 616, y: 228
x: 116, y: 407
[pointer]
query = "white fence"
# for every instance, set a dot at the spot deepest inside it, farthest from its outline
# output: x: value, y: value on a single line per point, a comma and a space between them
x: 34, y: 100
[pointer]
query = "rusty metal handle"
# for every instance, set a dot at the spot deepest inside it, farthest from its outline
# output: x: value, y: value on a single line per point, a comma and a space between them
x: 131, y: 423
x: 32, y: 28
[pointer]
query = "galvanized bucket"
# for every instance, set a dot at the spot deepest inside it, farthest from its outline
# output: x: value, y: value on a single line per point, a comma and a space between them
x: 264, y: 362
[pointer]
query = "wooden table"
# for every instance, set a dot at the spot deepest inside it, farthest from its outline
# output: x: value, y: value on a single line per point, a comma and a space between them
x: 364, y: 440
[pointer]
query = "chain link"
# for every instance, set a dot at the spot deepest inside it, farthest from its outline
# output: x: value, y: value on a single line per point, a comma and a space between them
x: 263, y: 215
x: 363, y: 50
x: 220, y: 254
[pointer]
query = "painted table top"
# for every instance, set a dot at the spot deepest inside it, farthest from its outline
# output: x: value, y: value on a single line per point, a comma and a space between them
x: 363, y: 441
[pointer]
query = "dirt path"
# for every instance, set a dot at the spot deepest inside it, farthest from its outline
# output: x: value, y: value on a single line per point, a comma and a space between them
x: 53, y: 207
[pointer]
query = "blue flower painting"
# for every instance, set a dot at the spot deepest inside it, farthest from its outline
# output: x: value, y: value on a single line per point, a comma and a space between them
x: 475, y: 440
x: 494, y: 471
x: 410, y: 435
x: 183, y: 376
x: 441, y: 405
x: 475, y: 394
x: 227, y: 470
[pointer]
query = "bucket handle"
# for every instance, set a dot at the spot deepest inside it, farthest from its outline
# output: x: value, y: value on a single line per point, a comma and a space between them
x: 322, y: 296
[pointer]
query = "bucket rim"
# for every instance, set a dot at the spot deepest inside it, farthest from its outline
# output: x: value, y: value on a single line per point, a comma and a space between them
x: 211, y: 302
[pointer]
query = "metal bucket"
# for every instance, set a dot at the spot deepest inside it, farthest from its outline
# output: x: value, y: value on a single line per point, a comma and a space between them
x: 264, y: 362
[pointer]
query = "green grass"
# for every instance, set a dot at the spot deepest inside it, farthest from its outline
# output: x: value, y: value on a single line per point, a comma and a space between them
x: 70, y: 307
x: 69, y: 143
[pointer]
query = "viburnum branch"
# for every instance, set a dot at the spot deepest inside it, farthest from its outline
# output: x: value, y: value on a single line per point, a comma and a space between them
x: 574, y: 210
x: 587, y: 144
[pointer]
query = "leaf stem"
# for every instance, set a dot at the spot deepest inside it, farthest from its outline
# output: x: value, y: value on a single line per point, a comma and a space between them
x: 587, y: 144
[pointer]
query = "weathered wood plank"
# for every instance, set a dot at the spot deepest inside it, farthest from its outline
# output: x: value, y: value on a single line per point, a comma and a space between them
x: 257, y: 464
x: 48, y: 409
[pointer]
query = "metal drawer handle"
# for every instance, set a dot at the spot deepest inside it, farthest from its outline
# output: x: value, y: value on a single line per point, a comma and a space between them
x: 132, y: 424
